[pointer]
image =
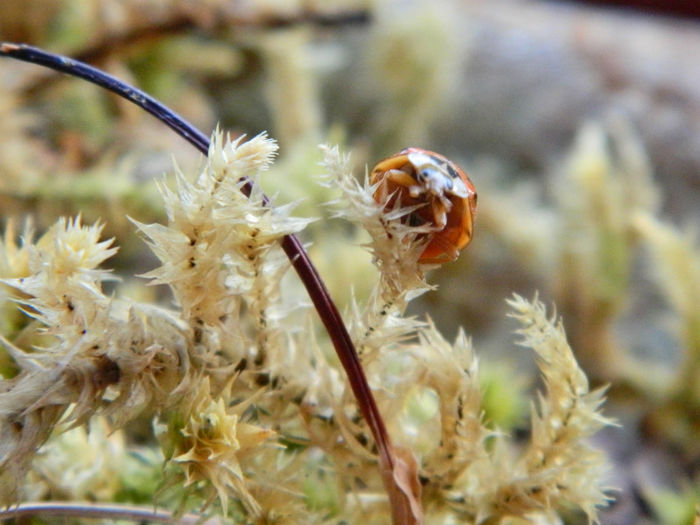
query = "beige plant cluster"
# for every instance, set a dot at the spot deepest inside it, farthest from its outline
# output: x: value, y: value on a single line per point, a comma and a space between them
x: 252, y: 412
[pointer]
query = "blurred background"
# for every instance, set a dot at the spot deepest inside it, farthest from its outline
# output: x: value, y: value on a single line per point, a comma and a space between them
x: 578, y: 123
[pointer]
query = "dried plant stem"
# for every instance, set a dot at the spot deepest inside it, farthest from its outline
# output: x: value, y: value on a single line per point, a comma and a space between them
x: 98, y: 511
x: 290, y: 244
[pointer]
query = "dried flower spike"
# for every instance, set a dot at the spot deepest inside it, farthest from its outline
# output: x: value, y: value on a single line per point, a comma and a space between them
x: 440, y: 191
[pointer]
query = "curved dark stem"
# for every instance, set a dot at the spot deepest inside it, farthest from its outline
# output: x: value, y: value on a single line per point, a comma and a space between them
x: 91, y: 74
x: 291, y: 245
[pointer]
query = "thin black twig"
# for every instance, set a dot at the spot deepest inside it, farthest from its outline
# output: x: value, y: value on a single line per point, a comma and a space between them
x: 91, y: 74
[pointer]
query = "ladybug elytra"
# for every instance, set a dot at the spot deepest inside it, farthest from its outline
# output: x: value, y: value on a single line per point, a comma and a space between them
x: 448, y: 198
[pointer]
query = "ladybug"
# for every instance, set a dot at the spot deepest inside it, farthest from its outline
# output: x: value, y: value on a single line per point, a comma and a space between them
x: 418, y: 176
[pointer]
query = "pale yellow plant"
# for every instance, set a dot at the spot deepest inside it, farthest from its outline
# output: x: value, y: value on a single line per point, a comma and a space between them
x: 215, y: 441
x: 83, y: 463
x: 469, y: 467
x: 676, y: 269
x: 608, y: 181
x: 248, y: 404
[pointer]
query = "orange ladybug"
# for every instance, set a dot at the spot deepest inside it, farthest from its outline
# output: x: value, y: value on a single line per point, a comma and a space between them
x: 419, y: 176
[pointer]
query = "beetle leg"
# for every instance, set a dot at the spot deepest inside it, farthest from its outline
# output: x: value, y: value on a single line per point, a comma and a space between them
x: 445, y: 201
x: 416, y: 191
x: 439, y: 213
x: 401, y: 178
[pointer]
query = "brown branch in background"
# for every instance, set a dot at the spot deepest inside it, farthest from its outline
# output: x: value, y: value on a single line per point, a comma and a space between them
x: 182, y: 22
